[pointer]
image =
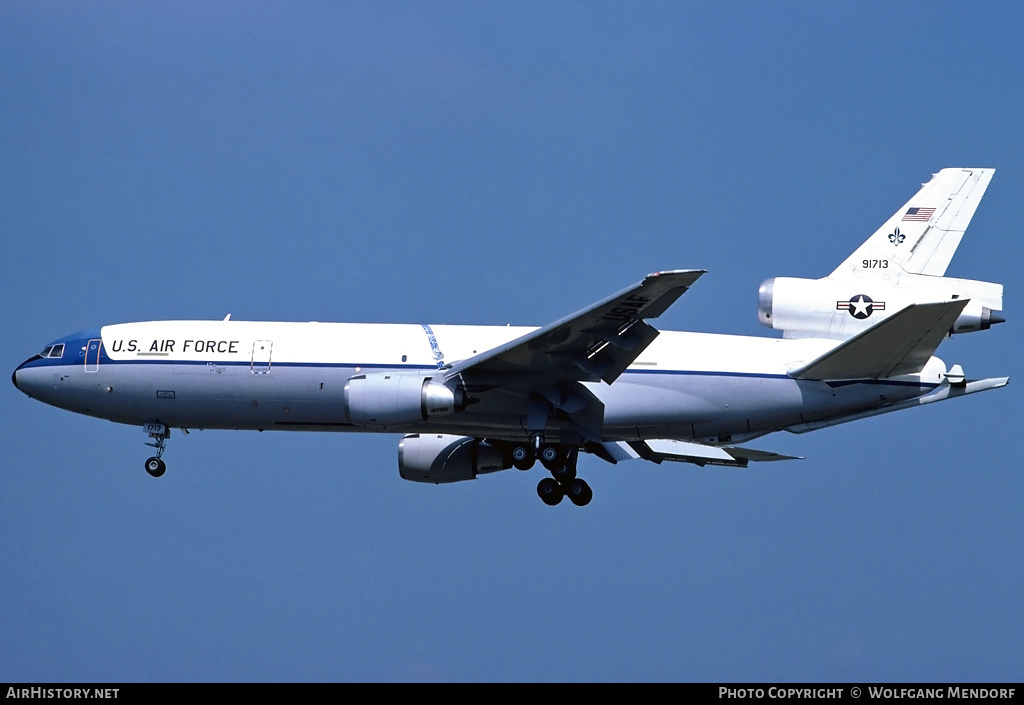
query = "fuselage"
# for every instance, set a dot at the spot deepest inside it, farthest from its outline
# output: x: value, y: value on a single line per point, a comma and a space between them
x: 292, y: 376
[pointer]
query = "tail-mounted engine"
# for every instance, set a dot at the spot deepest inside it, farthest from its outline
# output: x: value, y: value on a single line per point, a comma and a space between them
x: 388, y: 399
x: 438, y: 457
x: 840, y: 308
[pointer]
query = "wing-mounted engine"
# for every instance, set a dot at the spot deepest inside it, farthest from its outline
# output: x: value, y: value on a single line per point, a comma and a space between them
x: 438, y: 457
x: 386, y: 399
x: 831, y: 308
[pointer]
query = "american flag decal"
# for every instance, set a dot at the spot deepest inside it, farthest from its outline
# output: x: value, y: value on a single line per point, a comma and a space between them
x: 922, y: 215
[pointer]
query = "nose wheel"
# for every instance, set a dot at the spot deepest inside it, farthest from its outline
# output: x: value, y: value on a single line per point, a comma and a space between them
x: 156, y: 467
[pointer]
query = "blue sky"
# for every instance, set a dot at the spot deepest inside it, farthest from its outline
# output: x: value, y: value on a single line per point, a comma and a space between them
x: 498, y: 163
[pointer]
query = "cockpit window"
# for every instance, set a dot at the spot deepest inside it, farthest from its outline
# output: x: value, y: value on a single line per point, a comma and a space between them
x: 46, y: 351
x: 56, y: 350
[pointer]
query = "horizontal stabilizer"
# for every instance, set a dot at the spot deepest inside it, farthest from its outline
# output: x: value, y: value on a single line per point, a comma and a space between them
x: 940, y: 393
x: 659, y: 450
x: 899, y: 345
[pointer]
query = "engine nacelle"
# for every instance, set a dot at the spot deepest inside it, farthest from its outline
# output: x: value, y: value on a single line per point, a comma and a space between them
x: 386, y: 399
x: 439, y: 457
x: 841, y: 308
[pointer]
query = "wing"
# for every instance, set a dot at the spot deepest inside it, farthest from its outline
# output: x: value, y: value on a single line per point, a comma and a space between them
x: 922, y: 236
x: 899, y: 345
x: 544, y: 369
x: 598, y: 342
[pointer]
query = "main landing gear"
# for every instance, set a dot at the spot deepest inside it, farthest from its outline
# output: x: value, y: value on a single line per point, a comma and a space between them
x: 560, y: 461
x: 159, y: 433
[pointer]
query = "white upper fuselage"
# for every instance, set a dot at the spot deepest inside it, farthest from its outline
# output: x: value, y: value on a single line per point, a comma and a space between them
x: 410, y: 346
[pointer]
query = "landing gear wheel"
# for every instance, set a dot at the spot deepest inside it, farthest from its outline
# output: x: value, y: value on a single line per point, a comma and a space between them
x: 522, y: 457
x: 550, y: 491
x: 579, y: 492
x: 156, y: 467
x: 552, y: 457
x: 565, y: 474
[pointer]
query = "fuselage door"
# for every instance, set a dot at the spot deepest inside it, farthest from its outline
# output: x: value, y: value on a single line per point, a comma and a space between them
x: 261, y: 356
x: 92, y: 355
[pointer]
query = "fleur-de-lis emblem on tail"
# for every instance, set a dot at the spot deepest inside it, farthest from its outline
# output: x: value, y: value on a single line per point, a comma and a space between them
x: 897, y: 237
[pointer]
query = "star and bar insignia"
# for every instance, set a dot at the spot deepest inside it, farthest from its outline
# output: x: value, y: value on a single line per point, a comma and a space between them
x: 860, y: 306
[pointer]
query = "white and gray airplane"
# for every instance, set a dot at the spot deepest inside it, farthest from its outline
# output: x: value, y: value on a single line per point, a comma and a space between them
x: 476, y: 399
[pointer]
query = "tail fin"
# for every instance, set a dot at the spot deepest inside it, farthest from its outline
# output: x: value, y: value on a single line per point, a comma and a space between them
x: 922, y: 236
x: 900, y: 265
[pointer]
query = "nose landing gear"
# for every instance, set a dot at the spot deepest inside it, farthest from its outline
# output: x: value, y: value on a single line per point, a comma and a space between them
x: 159, y: 433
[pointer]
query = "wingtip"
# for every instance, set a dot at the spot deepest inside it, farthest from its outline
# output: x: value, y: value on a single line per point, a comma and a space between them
x: 676, y: 272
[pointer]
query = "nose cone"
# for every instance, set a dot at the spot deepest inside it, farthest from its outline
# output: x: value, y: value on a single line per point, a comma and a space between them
x: 14, y: 375
x: 26, y: 377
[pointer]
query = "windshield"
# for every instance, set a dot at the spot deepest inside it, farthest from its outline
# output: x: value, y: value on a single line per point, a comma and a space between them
x: 53, y: 351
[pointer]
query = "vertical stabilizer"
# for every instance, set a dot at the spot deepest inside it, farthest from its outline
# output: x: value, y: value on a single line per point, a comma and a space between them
x: 922, y: 236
